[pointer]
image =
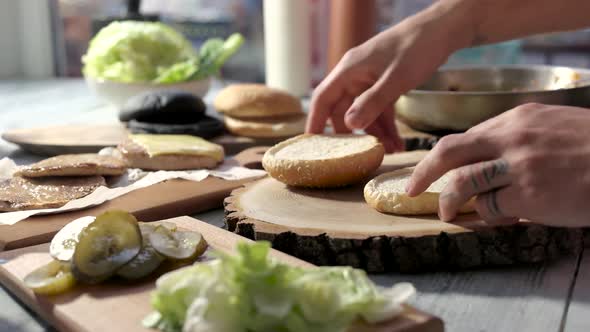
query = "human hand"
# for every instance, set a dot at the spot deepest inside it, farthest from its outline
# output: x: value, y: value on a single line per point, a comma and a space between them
x: 532, y: 162
x: 359, y: 93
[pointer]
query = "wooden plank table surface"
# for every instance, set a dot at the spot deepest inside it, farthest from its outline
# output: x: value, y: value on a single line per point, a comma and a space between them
x: 548, y: 297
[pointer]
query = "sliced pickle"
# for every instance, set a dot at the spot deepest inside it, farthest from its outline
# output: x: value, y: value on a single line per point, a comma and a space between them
x: 146, y: 262
x: 53, y: 278
x: 105, y: 245
x: 64, y: 242
x: 178, y: 245
x: 148, y: 227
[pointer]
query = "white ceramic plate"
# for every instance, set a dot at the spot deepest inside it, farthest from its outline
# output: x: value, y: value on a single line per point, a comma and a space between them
x: 117, y: 93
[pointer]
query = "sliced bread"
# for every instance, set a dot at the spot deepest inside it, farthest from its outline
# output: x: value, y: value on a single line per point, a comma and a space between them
x: 387, y: 193
x: 323, y: 161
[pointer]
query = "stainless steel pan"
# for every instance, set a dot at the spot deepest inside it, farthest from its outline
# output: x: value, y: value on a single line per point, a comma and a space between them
x: 459, y: 98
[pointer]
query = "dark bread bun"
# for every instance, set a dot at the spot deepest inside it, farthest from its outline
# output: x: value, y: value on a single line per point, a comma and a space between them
x: 207, y: 127
x: 164, y: 107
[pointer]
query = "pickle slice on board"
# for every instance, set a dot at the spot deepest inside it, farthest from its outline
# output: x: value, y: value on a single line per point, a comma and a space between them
x: 178, y: 245
x: 51, y: 279
x: 64, y: 242
x: 105, y: 245
x: 146, y: 262
x: 148, y: 227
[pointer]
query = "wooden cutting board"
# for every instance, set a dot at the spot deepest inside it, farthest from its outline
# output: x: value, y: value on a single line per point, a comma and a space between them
x: 79, y: 138
x: 337, y: 227
x: 91, y: 308
x: 162, y: 200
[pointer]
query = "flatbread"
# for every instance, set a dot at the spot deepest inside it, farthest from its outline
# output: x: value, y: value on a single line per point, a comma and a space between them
x: 387, y: 193
x: 75, y: 165
x: 17, y: 193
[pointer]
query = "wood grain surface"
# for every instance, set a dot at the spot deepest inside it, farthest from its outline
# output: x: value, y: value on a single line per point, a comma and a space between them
x: 121, y: 307
x: 162, y: 200
x: 577, y: 317
x: 336, y: 226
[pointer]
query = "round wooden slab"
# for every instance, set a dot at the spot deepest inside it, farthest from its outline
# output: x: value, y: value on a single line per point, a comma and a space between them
x: 337, y: 227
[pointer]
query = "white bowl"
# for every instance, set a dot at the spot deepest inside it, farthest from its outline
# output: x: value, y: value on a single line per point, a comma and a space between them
x: 117, y: 93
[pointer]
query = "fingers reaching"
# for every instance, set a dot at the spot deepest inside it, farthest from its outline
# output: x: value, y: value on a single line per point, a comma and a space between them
x: 451, y: 152
x: 373, y: 102
x: 469, y: 181
x: 497, y: 206
x: 324, y: 100
x: 378, y: 131
x: 337, y: 116
x: 387, y: 117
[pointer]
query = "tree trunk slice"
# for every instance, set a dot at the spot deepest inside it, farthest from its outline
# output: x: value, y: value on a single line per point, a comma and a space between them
x: 337, y: 227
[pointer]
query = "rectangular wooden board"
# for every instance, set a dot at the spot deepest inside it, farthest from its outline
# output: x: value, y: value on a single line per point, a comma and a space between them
x: 121, y: 307
x: 159, y: 201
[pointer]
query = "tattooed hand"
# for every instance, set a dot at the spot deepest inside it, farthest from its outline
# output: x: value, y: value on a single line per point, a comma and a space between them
x: 532, y: 162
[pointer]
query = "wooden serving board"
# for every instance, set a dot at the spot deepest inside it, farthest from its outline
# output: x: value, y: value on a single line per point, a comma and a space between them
x: 79, y: 138
x: 91, y: 308
x: 337, y: 227
x: 162, y: 200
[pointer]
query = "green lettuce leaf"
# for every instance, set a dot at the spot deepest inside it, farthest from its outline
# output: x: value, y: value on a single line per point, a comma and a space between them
x: 250, y: 292
x: 132, y: 51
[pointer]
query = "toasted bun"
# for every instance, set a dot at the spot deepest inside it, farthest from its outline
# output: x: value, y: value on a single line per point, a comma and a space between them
x: 75, y: 165
x: 255, y: 101
x: 266, y: 127
x: 387, y: 193
x: 323, y: 160
x: 137, y: 157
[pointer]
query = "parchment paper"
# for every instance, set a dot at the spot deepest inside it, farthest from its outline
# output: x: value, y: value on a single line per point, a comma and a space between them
x: 229, y: 170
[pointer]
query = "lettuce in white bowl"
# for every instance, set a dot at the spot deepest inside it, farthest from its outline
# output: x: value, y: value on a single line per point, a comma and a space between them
x: 152, y: 52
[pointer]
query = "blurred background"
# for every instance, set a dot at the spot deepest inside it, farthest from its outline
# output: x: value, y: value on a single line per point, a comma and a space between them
x: 43, y: 38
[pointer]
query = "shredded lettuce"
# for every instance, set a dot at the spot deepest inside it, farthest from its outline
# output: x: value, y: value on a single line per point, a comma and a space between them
x: 250, y: 292
x: 132, y: 51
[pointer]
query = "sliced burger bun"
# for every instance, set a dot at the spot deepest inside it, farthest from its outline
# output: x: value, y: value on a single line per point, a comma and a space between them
x: 256, y: 101
x: 323, y: 161
x: 387, y: 193
x: 266, y: 127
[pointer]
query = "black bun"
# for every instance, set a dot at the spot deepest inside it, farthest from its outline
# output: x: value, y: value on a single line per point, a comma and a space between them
x: 164, y: 107
x: 207, y: 127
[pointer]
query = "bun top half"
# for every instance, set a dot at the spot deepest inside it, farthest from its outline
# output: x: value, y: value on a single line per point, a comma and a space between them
x: 256, y: 101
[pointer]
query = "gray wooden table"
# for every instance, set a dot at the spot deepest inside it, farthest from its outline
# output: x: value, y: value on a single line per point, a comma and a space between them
x: 548, y: 297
